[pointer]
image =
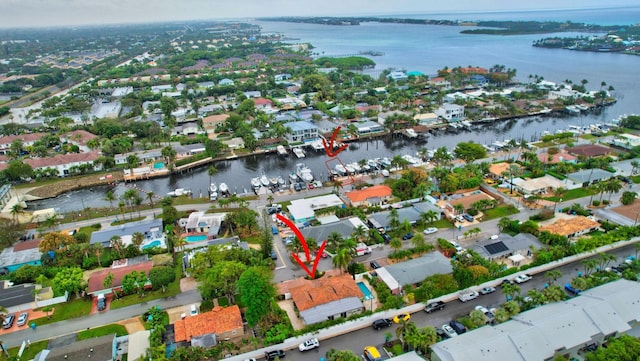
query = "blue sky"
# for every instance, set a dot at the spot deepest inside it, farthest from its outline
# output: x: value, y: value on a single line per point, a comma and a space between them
x: 28, y: 13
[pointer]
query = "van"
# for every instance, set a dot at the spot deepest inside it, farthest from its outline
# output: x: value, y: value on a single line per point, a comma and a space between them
x: 102, y: 302
x: 362, y: 249
x: 458, y: 327
x: 468, y: 217
x: 371, y: 353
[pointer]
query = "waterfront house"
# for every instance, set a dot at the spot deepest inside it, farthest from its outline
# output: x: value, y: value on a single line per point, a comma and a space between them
x: 208, y: 328
x: 370, y: 196
x: 398, y: 76
x: 144, y: 156
x: 626, y: 141
x: 426, y: 119
x: 368, y: 127
x: 151, y: 230
x: 326, y: 298
x: 571, y: 227
x: 66, y: 164
x: 187, y: 150
x: 234, y: 143
x: 561, y: 94
x: 201, y: 222
x: 561, y: 156
x: 301, y: 132
x: 450, y: 112
x: 440, y: 82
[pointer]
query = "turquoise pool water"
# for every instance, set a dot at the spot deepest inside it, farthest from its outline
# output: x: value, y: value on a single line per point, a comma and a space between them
x: 158, y: 165
x: 199, y: 238
x: 365, y: 291
x: 155, y: 243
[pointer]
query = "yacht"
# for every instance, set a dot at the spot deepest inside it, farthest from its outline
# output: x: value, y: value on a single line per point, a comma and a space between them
x: 341, y: 169
x: 273, y: 181
x: 304, y: 173
x: 264, y: 180
x: 282, y: 151
x: 385, y: 173
x: 350, y: 168
x: 179, y: 192
x: 293, y: 177
x: 356, y: 167
x: 298, y: 152
x: 223, y: 188
x: 281, y: 181
x: 373, y: 164
x: 255, y: 183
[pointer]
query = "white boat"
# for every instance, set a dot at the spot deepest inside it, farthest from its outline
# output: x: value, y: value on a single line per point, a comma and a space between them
x: 571, y: 109
x: 366, y: 168
x: 350, y: 168
x: 264, y: 181
x: 356, y: 167
x: 304, y: 173
x: 385, y: 162
x: 213, y: 196
x: 298, y: 152
x: 385, y: 173
x: 273, y: 181
x: 213, y: 188
x: 280, y: 180
x: 293, y: 177
x: 373, y: 164
x: 179, y: 192
x: 223, y: 188
x: 255, y: 183
x: 340, y: 169
x: 410, y: 133
x: 282, y: 151
x: 317, y: 146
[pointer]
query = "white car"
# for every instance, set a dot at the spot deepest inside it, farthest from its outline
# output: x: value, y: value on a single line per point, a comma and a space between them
x: 468, y: 296
x: 522, y: 278
x: 309, y: 344
x: 449, y: 331
x: 457, y: 246
x: 430, y: 230
x: 487, y: 290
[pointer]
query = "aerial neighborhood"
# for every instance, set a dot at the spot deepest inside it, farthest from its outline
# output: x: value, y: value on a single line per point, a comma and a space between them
x: 517, y: 249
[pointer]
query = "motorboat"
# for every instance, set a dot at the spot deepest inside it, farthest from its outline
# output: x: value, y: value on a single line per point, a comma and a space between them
x: 356, y: 167
x: 213, y: 196
x: 273, y: 181
x: 282, y: 151
x: 281, y: 181
x: 224, y: 189
x: 255, y: 183
x: 350, y: 168
x: 179, y: 192
x: 213, y: 188
x: 298, y: 152
x: 341, y: 169
x: 293, y: 177
x: 264, y: 180
x: 304, y: 173
x: 385, y: 173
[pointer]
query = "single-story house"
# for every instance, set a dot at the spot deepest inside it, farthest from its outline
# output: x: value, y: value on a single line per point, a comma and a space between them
x: 589, y: 176
x: 368, y: 127
x: 234, y: 143
x: 95, y: 284
x: 303, y: 210
x: 565, y: 328
x: 589, y: 150
x: 506, y: 246
x: 370, y: 196
x: 211, y: 122
x: 144, y: 156
x: 17, y: 298
x: 412, y: 214
x: 561, y: 156
x: 18, y: 255
x: 189, y: 128
x: 496, y: 170
x: 223, y: 323
x: 343, y: 227
x: 327, y: 298
x: 623, y: 168
x: 571, y: 227
x: 543, y: 185
x: 201, y: 222
x: 103, y: 348
x: 427, y: 119
x: 627, y: 141
x: 465, y: 199
x: 151, y: 229
x: 263, y: 103
x: 414, y: 271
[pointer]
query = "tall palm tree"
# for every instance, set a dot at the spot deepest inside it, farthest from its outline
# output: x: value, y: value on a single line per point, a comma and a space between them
x: 16, y: 209
x: 552, y: 276
x: 358, y: 233
x: 342, y: 258
x: 110, y: 197
x: 212, y: 171
x: 137, y: 238
x: 510, y: 290
x: 418, y: 241
x: 150, y: 196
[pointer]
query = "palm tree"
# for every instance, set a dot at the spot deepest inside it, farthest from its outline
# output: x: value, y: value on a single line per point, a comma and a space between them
x: 358, y: 233
x: 613, y: 186
x: 589, y: 266
x: 16, y: 209
x: 477, y: 318
x: 137, y: 238
x: 552, y: 276
x: 395, y: 243
x: 501, y: 315
x: 604, y: 259
x: 429, y: 217
x: 212, y: 171
x: 150, y: 196
x: 110, y: 197
x: 504, y: 223
x: 418, y: 241
x: 635, y: 165
x: 270, y: 199
x: 458, y: 208
x: 579, y: 283
x: 97, y: 250
x: 510, y: 290
x: 342, y: 259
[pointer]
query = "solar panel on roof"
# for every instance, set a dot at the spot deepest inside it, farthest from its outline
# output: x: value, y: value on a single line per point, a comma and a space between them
x: 497, y: 247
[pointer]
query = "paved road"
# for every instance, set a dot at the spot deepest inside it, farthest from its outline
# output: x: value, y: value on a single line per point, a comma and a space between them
x: 77, y: 324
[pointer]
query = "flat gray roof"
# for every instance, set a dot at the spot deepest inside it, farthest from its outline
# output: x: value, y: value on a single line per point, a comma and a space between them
x: 322, y: 312
x: 145, y: 227
x: 514, y: 243
x: 319, y: 233
x: 416, y: 270
x: 9, y: 257
x: 590, y: 175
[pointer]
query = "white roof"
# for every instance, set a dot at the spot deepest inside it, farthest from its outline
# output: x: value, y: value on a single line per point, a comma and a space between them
x: 387, y: 278
x: 304, y: 208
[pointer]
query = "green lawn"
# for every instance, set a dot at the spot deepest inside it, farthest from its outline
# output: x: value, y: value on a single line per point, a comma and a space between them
x: 119, y: 330
x: 441, y: 223
x: 28, y: 353
x: 499, y: 212
x: 570, y: 194
x: 172, y: 290
x: 65, y: 311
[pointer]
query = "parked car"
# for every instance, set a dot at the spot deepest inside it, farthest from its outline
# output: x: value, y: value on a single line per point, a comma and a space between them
x: 434, y: 306
x: 430, y: 230
x: 402, y: 316
x: 374, y: 264
x: 440, y: 332
x: 8, y: 321
x: 271, y: 355
x: 407, y: 236
x: 571, y: 290
x: 449, y: 331
x: 309, y: 344
x: 381, y: 323
x: 458, y: 327
x: 506, y: 282
x: 22, y: 319
x: 102, y: 302
x: 386, y: 237
x: 457, y: 246
x: 468, y: 217
x: 468, y: 296
x: 371, y: 353
x: 193, y: 311
x: 489, y: 316
x: 274, y: 255
x: 522, y: 278
x: 487, y: 290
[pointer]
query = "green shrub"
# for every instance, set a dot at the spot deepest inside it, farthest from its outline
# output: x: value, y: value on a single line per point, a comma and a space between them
x: 595, y: 203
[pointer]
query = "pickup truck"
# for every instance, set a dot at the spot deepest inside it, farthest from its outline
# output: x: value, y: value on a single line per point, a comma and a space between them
x: 468, y: 296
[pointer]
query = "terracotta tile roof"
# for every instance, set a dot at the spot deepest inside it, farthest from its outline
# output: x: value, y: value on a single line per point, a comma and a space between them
x: 498, y: 168
x: 567, y: 227
x: 369, y: 192
x: 27, y: 245
x: 217, y: 321
x: 324, y: 290
x: 589, y: 150
x: 80, y: 137
x: 97, y: 278
x: 556, y: 158
x: 263, y: 101
x: 214, y: 119
x: 25, y: 138
x: 469, y: 199
x: 60, y: 159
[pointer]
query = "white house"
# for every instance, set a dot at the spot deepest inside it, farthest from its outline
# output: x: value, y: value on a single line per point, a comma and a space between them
x: 450, y: 112
x: 65, y: 164
x: 189, y: 128
x: 302, y: 131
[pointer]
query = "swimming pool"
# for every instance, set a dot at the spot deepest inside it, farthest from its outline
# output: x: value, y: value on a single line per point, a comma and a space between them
x: 199, y: 238
x: 158, y: 165
x: 155, y: 243
x: 365, y: 290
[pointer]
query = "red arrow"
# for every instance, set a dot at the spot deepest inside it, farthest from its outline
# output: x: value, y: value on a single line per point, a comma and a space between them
x: 303, y: 242
x: 328, y: 148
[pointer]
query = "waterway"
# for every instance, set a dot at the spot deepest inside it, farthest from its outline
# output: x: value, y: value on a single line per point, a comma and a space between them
x: 411, y: 47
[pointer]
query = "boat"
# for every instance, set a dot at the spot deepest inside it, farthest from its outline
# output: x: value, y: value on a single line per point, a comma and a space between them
x: 341, y: 169
x: 293, y: 177
x: 356, y: 167
x: 350, y: 168
x: 385, y: 162
x: 298, y: 152
x: 213, y: 196
x: 410, y: 133
x: 282, y: 151
x: 317, y: 146
x: 571, y: 109
x: 304, y: 173
x: 255, y: 183
x: 264, y: 181
x: 179, y: 192
x: 385, y: 173
x: 366, y: 168
x: 223, y: 188
x: 213, y: 188
x: 373, y: 164
x: 273, y: 181
x: 281, y: 181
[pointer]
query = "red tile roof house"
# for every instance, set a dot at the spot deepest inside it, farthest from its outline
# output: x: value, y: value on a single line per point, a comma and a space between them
x: 589, y: 150
x: 65, y: 163
x: 562, y: 156
x: 327, y: 298
x: 27, y: 140
x: 223, y: 323
x: 79, y: 138
x: 370, y: 196
x: 96, y: 280
x: 263, y: 103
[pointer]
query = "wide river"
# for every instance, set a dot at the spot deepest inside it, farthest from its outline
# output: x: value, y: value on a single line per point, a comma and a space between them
x: 426, y: 49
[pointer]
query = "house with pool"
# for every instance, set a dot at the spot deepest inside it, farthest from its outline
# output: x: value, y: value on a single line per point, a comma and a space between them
x: 18, y: 255
x: 151, y: 230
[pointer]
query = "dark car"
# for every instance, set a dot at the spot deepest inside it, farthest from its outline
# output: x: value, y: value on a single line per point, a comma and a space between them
x: 571, y: 290
x: 407, y: 236
x: 274, y: 255
x: 386, y: 238
x: 271, y: 355
x: 458, y: 327
x: 381, y: 323
x: 434, y: 306
x: 374, y: 264
x: 441, y: 334
x: 468, y: 217
x: 102, y: 303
